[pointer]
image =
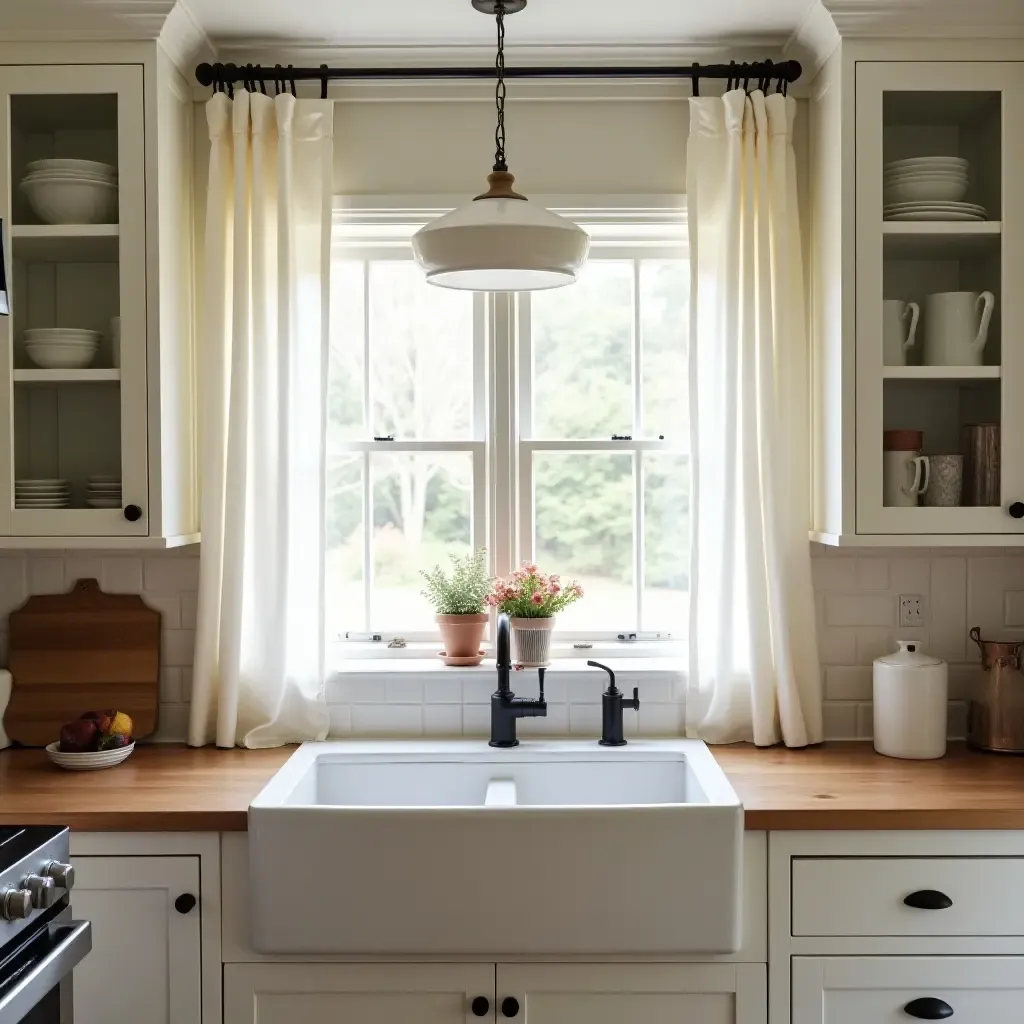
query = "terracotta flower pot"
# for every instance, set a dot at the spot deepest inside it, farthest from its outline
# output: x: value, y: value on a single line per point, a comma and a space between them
x: 532, y: 640
x: 462, y: 635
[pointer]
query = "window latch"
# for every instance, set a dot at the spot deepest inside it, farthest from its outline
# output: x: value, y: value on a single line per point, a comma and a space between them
x: 622, y: 437
x: 645, y: 635
x: 383, y: 437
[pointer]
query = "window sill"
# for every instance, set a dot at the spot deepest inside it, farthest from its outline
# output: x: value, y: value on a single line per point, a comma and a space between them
x: 423, y: 656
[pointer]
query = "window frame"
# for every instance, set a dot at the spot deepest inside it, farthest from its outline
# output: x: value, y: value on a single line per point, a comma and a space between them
x: 622, y: 228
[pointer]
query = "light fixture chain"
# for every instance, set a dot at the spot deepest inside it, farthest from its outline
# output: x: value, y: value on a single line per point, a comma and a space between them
x: 499, y: 90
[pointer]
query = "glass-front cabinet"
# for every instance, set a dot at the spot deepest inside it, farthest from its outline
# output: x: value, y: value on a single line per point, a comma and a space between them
x: 73, y: 380
x: 939, y: 298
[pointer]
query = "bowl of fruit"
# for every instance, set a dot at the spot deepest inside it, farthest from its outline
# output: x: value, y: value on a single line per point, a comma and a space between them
x: 99, y: 739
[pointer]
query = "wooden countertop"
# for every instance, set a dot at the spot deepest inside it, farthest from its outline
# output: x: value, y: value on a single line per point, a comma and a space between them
x: 837, y: 786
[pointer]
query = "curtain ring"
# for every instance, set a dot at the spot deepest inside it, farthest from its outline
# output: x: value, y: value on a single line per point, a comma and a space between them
x: 291, y: 79
x: 278, y: 79
x: 695, y: 78
x: 323, y: 81
x: 263, y: 84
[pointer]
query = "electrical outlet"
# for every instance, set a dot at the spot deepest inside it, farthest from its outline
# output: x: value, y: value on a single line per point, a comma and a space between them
x: 912, y: 610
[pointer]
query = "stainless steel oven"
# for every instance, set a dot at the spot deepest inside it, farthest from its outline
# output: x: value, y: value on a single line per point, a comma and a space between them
x: 40, y: 943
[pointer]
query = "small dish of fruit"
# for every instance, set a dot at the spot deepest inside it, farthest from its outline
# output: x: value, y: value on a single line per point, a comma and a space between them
x: 99, y: 739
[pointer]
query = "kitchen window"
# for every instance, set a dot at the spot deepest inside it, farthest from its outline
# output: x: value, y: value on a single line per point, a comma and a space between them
x: 548, y: 426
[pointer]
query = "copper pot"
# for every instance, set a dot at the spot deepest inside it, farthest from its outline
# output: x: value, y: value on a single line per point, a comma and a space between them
x: 995, y: 713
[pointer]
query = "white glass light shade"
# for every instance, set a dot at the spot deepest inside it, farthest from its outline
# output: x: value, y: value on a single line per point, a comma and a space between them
x: 501, y: 245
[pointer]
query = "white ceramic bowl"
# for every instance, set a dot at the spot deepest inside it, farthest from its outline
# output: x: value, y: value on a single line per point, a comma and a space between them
x: 103, y: 478
x: 61, y: 334
x: 61, y: 357
x: 67, y: 164
x: 69, y: 176
x: 912, y: 175
x: 935, y: 190
x: 72, y: 201
x: 931, y: 162
x: 91, y: 761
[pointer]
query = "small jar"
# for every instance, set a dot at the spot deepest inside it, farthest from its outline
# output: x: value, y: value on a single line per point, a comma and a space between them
x: 911, y: 693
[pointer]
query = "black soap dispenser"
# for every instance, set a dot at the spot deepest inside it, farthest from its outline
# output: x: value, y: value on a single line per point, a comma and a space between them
x: 613, y: 703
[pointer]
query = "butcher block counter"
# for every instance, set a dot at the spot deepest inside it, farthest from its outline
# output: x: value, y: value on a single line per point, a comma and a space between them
x: 835, y: 786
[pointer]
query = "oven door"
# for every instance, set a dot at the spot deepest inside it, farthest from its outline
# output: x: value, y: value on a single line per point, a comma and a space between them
x: 35, y: 981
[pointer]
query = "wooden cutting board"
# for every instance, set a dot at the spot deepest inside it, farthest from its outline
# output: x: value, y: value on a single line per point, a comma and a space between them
x: 82, y: 651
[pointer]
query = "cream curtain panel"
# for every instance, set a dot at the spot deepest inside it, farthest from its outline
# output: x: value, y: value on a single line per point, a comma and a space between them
x: 754, y: 673
x: 258, y: 673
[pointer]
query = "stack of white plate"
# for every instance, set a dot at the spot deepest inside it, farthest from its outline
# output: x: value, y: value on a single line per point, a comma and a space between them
x: 928, y: 188
x: 103, y: 491
x: 41, y: 493
x: 71, y: 191
x: 62, y: 348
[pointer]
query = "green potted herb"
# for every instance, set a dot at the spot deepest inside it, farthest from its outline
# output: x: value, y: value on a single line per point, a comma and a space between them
x: 459, y: 598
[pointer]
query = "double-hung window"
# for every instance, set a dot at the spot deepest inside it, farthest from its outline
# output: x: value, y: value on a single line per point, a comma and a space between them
x: 548, y: 426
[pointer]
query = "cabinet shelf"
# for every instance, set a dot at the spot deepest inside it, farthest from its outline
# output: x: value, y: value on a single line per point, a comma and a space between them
x: 65, y: 376
x: 942, y: 372
x: 925, y: 239
x: 65, y: 243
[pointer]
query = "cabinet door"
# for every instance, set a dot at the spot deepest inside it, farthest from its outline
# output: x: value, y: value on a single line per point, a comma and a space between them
x: 632, y: 993
x: 145, y: 959
x: 939, y: 236
x: 882, y: 990
x: 73, y: 406
x: 358, y: 993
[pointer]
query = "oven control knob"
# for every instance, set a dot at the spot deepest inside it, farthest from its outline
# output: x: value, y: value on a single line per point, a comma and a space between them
x: 15, y: 904
x: 62, y: 874
x: 42, y: 889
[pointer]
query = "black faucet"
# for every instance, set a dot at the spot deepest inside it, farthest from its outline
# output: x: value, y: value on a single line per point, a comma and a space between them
x: 613, y: 703
x: 506, y: 707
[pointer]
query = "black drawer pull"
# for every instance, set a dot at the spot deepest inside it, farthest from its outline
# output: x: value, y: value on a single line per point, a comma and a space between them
x: 928, y: 1008
x: 185, y: 903
x: 928, y: 899
x: 480, y: 1006
x: 510, y: 1006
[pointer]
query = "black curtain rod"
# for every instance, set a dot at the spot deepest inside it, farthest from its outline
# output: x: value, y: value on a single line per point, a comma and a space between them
x: 761, y: 71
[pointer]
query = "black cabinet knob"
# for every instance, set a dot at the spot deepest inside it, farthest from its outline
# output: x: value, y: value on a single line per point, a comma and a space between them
x: 510, y: 1006
x: 132, y: 513
x: 480, y: 1006
x: 185, y: 903
x: 928, y: 899
x: 1016, y: 510
x: 928, y: 1008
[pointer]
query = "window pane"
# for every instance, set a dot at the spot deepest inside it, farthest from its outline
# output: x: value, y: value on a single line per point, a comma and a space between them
x: 666, y: 543
x: 421, y: 355
x: 344, y: 577
x: 583, y: 529
x: 345, y: 374
x: 581, y: 338
x: 422, y: 511
x: 664, y: 329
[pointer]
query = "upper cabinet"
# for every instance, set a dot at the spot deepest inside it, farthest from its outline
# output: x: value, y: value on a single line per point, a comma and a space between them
x: 919, y: 348
x: 96, y: 391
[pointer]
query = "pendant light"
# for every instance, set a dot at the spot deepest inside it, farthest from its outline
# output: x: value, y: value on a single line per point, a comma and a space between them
x: 500, y: 242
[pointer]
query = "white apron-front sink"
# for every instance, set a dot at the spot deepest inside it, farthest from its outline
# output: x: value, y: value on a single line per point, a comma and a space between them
x: 454, y: 847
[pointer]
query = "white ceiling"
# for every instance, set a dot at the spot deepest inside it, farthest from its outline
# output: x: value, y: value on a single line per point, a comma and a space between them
x: 454, y: 22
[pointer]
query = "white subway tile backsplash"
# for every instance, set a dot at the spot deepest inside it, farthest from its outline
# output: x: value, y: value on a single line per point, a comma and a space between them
x: 387, y: 719
x: 833, y: 573
x: 873, y: 573
x: 837, y: 645
x: 82, y: 567
x: 848, y: 682
x: 341, y: 720
x: 586, y: 719
x: 404, y: 690
x: 171, y: 573
x: 189, y: 607
x: 948, y: 604
x: 442, y: 719
x: 46, y: 576
x: 859, y: 609
x: 873, y: 642
x: 910, y: 575
x: 1013, y: 610
x: 121, y: 575
x: 170, y: 685
x: 476, y: 720
x: 442, y: 691
x: 169, y: 607
x: 177, y: 646
x: 840, y: 720
x: 13, y: 584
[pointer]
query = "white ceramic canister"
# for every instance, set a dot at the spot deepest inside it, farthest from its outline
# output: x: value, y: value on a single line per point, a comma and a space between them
x: 911, y: 691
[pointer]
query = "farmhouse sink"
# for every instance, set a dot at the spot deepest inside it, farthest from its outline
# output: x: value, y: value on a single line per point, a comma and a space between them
x: 456, y: 848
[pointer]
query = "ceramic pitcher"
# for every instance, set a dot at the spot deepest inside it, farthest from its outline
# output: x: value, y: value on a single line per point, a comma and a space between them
x: 899, y: 328
x: 956, y: 327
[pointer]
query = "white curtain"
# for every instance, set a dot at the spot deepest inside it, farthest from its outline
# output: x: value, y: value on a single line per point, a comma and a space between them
x: 258, y: 674
x: 754, y: 672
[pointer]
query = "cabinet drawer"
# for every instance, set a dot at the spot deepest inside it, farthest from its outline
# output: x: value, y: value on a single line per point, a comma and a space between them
x: 883, y: 990
x: 865, y: 896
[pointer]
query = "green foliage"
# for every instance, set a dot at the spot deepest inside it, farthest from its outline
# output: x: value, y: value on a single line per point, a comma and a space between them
x: 465, y: 591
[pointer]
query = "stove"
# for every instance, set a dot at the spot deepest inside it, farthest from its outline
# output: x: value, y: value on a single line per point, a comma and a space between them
x: 39, y: 943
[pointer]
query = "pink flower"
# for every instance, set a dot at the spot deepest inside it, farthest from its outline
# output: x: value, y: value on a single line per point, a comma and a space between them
x: 555, y: 578
x: 530, y: 568
x: 537, y: 598
x: 491, y: 600
x: 553, y: 587
x: 576, y: 589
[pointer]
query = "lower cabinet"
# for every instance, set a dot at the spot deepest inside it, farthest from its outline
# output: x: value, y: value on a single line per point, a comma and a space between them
x: 145, y: 963
x: 853, y: 990
x: 464, y: 993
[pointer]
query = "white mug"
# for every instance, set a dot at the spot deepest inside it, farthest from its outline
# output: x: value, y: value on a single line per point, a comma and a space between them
x: 897, y: 337
x: 905, y: 477
x: 956, y: 327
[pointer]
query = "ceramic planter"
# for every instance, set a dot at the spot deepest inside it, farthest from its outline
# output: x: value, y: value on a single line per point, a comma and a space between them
x: 462, y: 635
x: 532, y: 641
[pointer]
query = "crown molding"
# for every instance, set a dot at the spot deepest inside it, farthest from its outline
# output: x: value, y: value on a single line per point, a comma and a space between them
x: 313, y: 52
x: 88, y: 20
x: 184, y: 40
x: 927, y: 19
x: 814, y: 40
